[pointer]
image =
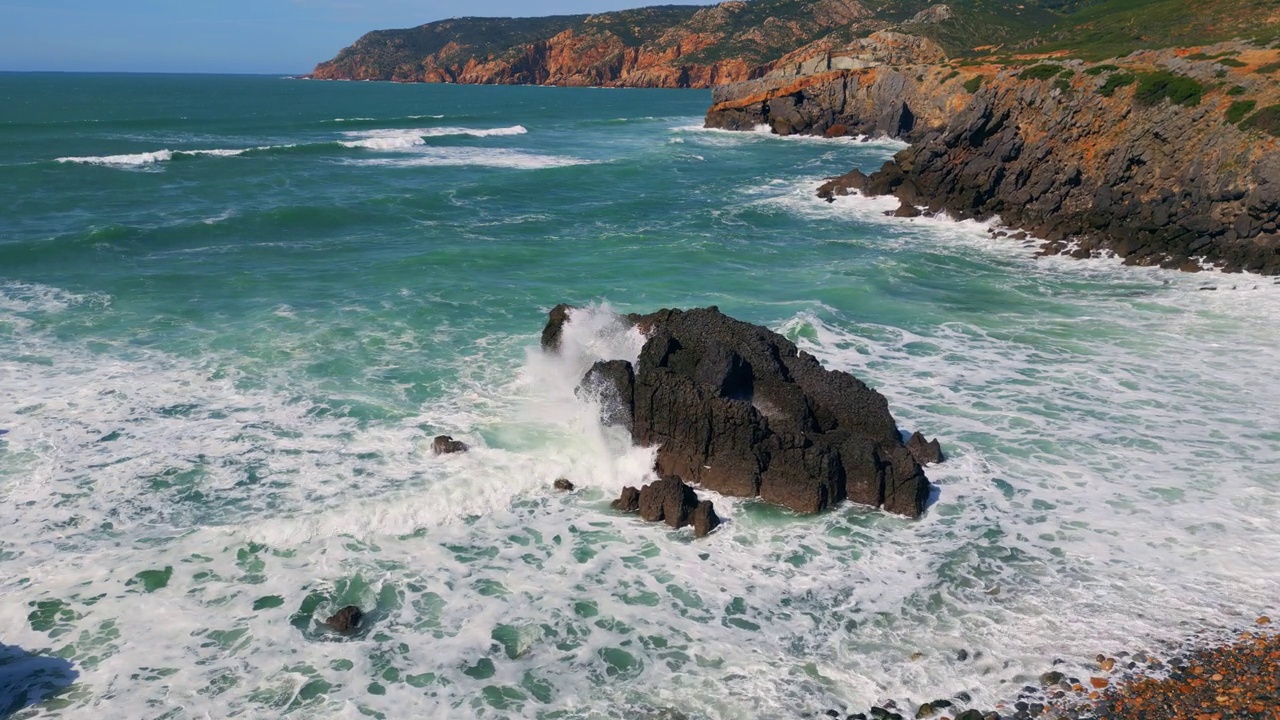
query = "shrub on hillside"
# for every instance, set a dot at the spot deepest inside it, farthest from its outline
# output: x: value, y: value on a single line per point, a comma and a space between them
x: 1160, y: 85
x: 1043, y: 71
x: 973, y: 83
x: 1114, y: 82
x: 1267, y: 120
x: 1103, y: 68
x: 1239, y: 109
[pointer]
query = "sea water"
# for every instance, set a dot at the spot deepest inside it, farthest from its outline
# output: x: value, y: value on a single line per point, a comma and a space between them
x: 235, y: 310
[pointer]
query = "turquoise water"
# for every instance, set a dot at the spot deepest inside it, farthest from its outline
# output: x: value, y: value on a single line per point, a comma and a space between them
x: 235, y: 310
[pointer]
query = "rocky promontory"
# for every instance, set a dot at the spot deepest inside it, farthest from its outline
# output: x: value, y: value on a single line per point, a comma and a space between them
x: 1168, y: 157
x: 738, y: 409
x: 664, y: 46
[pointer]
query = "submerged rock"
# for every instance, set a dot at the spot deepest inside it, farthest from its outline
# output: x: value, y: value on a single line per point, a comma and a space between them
x: 445, y: 445
x: 738, y: 409
x: 345, y: 620
x: 563, y: 485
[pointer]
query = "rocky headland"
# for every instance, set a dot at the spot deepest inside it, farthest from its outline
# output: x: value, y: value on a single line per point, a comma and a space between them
x: 666, y: 46
x: 1166, y: 157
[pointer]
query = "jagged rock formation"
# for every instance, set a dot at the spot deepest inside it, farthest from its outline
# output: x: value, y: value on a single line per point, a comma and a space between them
x: 1167, y: 157
x: 738, y: 409
x: 671, y: 501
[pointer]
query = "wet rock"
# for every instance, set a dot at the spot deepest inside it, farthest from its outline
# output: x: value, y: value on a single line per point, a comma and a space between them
x: 738, y: 409
x: 671, y: 501
x: 905, y: 210
x: 852, y: 181
x: 346, y: 620
x: 1053, y: 677
x: 563, y: 485
x: 629, y: 501
x: 970, y: 715
x: 612, y: 383
x: 445, y: 445
x: 668, y: 500
x: 705, y: 519
x: 924, y: 451
x: 554, y: 328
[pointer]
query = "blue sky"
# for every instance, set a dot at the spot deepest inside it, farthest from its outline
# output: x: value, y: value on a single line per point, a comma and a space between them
x: 233, y: 36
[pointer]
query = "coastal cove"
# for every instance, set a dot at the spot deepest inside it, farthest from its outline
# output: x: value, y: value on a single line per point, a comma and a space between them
x: 235, y: 312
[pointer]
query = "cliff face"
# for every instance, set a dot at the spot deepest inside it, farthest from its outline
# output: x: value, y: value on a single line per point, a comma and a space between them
x: 667, y: 46
x: 1165, y: 157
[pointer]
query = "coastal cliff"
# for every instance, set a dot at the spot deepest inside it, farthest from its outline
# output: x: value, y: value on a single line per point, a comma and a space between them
x: 1168, y: 157
x: 666, y: 46
x: 672, y: 45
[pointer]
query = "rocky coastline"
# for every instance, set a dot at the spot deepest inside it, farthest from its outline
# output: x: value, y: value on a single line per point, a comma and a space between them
x: 1168, y: 157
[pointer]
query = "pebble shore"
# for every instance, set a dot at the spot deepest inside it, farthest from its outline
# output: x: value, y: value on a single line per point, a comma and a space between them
x: 1239, y: 680
x: 1231, y: 679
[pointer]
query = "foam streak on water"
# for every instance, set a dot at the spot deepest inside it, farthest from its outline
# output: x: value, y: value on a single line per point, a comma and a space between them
x: 222, y: 380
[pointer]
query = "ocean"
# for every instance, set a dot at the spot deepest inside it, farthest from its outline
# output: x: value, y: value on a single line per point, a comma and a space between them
x: 234, y: 311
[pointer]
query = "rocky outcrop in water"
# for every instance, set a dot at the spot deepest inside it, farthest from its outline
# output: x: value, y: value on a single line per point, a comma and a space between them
x: 347, y: 620
x: 671, y: 501
x: 446, y: 445
x: 1167, y: 158
x: 738, y: 409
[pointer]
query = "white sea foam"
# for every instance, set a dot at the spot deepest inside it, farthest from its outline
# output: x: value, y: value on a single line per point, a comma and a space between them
x: 1108, y: 480
x: 400, y: 139
x: 161, y: 156
x: 722, y: 137
x: 471, y: 156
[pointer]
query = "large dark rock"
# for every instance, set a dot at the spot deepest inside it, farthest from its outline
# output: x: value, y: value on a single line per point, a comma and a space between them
x: 629, y: 501
x: 671, y: 501
x: 852, y: 181
x: 738, y: 409
x: 668, y: 500
x: 705, y: 519
x: 446, y: 445
x: 556, y: 319
x: 612, y: 382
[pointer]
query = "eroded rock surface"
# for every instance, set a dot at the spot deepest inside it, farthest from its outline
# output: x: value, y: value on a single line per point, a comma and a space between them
x: 670, y: 501
x: 738, y: 409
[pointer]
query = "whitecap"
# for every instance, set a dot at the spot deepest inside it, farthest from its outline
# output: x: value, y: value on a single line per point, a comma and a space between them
x: 400, y: 139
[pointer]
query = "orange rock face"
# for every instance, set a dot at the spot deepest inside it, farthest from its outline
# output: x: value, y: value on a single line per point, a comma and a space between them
x: 666, y: 46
